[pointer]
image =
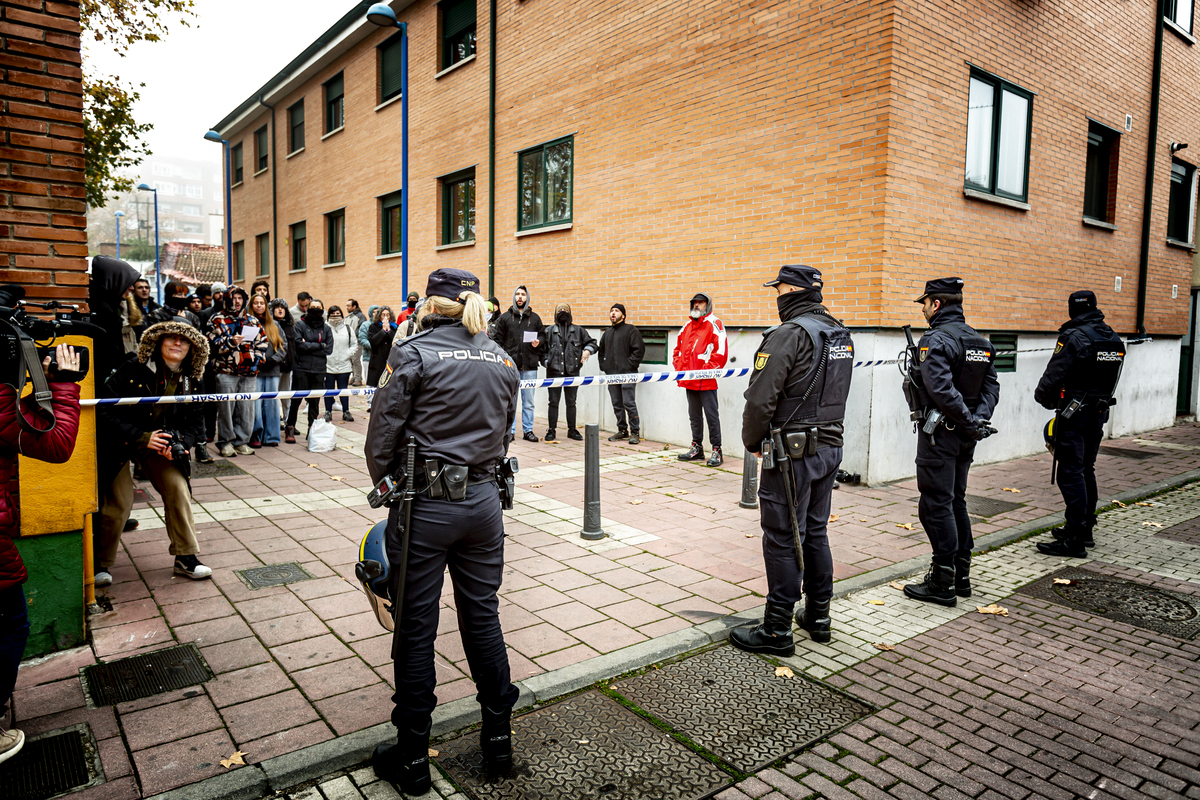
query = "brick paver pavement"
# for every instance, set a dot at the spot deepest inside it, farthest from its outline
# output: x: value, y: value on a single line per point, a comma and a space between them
x: 301, y: 664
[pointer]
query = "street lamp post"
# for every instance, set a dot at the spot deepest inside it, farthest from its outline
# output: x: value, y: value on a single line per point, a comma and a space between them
x: 144, y: 187
x: 118, y: 215
x: 213, y: 136
x: 382, y: 15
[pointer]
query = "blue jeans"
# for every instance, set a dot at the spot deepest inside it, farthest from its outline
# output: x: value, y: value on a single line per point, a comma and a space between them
x: 526, y: 396
x: 14, y: 631
x: 266, y: 413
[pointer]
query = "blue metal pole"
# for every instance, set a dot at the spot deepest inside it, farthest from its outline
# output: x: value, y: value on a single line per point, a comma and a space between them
x: 157, y: 262
x: 118, y: 219
x: 404, y: 160
x: 228, y: 217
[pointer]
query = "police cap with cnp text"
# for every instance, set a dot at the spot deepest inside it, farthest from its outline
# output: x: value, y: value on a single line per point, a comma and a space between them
x: 941, y: 286
x: 450, y: 283
x: 1081, y: 301
x: 801, y: 276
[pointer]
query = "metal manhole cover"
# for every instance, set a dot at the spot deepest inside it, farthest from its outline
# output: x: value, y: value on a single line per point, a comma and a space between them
x: 989, y: 506
x: 587, y: 746
x: 731, y: 704
x: 1121, y: 452
x: 218, y: 469
x: 1135, y: 604
x: 50, y: 765
x: 273, y: 575
x: 145, y: 675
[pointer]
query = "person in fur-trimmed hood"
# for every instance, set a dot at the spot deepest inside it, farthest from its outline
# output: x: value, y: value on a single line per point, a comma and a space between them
x: 170, y: 361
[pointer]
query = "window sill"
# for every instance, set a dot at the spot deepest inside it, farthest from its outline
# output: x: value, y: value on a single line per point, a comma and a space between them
x: 333, y: 264
x: 235, y: 185
x: 1091, y: 222
x: 455, y: 245
x: 454, y: 66
x: 1191, y: 248
x: 293, y: 153
x: 388, y: 102
x: 297, y: 271
x: 1170, y: 23
x: 386, y: 256
x: 332, y: 132
x: 260, y: 172
x: 565, y: 226
x: 975, y: 194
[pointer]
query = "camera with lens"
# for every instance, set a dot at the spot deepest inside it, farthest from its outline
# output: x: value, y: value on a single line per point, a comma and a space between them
x: 24, y: 336
x: 178, y: 450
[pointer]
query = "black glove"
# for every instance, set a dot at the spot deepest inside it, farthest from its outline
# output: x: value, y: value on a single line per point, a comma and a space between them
x: 980, y: 428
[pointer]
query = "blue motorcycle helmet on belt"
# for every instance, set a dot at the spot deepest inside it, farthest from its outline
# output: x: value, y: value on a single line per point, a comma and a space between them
x: 374, y: 572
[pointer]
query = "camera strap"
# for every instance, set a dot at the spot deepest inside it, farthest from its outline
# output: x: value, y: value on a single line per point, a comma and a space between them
x: 30, y: 368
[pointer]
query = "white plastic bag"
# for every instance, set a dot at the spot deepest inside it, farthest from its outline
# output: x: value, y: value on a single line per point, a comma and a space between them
x: 322, y: 437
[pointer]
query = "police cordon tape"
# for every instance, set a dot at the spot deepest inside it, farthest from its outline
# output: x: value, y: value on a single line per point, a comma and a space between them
x: 533, y: 383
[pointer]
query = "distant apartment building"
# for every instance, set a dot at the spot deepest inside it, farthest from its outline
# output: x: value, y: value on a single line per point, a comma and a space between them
x: 644, y: 152
x: 191, y: 201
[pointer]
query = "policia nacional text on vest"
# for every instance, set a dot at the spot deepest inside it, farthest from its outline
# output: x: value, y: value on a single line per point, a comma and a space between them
x: 795, y: 407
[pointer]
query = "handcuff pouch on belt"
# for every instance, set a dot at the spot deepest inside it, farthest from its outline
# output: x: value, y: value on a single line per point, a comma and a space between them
x: 445, y: 481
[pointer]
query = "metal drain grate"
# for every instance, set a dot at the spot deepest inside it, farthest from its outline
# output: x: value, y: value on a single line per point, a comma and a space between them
x: 732, y: 704
x: 585, y: 747
x: 145, y: 675
x: 218, y: 469
x: 989, y: 506
x: 46, y: 767
x: 273, y: 575
x: 1121, y: 452
x: 1134, y: 604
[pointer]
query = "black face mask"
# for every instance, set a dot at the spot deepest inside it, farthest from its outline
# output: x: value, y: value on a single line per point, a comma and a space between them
x: 789, y: 304
x: 562, y: 318
x: 314, y: 316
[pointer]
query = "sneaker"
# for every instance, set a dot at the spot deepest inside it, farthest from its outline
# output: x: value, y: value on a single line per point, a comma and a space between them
x: 202, y: 456
x: 347, y: 416
x: 11, y: 743
x: 694, y: 453
x: 619, y: 435
x: 243, y: 450
x: 255, y: 444
x: 103, y: 578
x: 550, y: 436
x: 227, y: 451
x: 530, y: 437
x: 191, y: 567
x: 329, y: 416
x: 130, y: 525
x: 634, y: 439
x: 716, y: 459
x: 574, y: 433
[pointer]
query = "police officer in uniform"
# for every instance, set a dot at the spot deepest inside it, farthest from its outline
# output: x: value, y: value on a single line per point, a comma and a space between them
x: 797, y: 401
x: 955, y: 368
x: 453, y: 389
x: 1078, y: 384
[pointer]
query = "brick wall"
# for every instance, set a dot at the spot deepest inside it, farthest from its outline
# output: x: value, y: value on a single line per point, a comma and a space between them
x: 42, y: 224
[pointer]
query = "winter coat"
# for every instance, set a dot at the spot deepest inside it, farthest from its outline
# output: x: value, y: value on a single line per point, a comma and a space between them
x: 313, y: 347
x: 511, y: 329
x: 701, y: 345
x: 111, y: 278
x: 287, y: 327
x: 381, y: 344
x: 363, y: 329
x: 54, y: 447
x: 230, y: 358
x: 345, y: 348
x: 563, y: 352
x: 621, y: 349
x: 272, y: 366
x: 124, y: 430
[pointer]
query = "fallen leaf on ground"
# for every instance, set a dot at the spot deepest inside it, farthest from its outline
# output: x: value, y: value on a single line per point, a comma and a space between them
x: 749, y: 535
x: 834, y: 517
x: 1063, y: 581
x: 584, y: 741
x: 433, y: 753
x: 884, y: 646
x: 993, y: 609
x: 312, y: 465
x: 236, y: 758
x: 876, y: 603
x: 1143, y: 504
x: 536, y: 486
x: 1119, y: 503
x: 906, y: 525
x: 896, y: 586
x: 337, y: 477
x: 1014, y: 491
x: 544, y: 460
x: 684, y: 491
x: 862, y: 519
x: 1152, y: 524
x: 636, y: 502
x: 784, y: 672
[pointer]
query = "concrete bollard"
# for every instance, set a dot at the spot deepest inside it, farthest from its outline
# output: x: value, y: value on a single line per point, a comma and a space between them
x: 749, y: 481
x: 591, y: 483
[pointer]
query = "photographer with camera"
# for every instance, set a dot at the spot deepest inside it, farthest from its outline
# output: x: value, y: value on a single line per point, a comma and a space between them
x: 111, y: 282
x: 170, y: 361
x: 54, y: 446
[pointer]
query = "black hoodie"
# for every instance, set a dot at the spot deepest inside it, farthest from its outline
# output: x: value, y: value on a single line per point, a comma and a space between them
x: 511, y: 329
x: 111, y: 279
x: 565, y: 344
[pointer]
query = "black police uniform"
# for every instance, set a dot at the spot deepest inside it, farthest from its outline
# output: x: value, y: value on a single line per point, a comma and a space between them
x: 800, y: 382
x: 456, y: 394
x: 1078, y: 384
x: 956, y: 368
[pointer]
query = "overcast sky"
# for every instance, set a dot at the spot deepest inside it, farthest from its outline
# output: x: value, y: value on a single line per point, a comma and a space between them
x: 197, y: 75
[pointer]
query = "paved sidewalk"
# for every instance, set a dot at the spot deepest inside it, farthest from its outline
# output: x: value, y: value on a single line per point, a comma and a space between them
x: 306, y: 663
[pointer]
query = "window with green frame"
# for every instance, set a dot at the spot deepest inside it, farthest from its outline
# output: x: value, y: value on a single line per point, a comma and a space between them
x: 264, y: 255
x: 458, y: 31
x: 458, y: 207
x: 544, y: 184
x: 655, y: 340
x: 239, y: 261
x: 390, y: 228
x: 390, y: 55
x: 261, y: 149
x: 335, y: 237
x: 999, y: 118
x: 236, y: 158
x: 299, y: 237
x: 1004, y: 350
x: 335, y: 103
x: 296, y: 127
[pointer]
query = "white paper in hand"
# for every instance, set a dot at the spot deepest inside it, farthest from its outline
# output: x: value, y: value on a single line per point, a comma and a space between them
x: 250, y: 332
x: 529, y: 336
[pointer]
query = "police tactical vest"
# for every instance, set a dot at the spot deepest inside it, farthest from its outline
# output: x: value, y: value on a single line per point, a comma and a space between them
x: 1095, y: 377
x: 819, y: 398
x: 973, y: 365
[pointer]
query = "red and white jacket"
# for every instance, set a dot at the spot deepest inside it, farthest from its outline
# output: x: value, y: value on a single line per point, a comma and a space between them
x: 701, y: 345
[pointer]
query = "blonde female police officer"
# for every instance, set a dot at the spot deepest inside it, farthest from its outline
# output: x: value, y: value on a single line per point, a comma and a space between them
x: 453, y: 389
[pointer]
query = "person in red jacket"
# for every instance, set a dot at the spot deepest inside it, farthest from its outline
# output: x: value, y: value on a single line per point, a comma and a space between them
x: 701, y: 345
x: 55, y: 447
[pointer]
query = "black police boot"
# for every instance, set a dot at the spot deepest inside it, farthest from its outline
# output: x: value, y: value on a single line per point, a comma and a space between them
x: 716, y: 459
x: 938, y: 586
x: 962, y: 574
x: 495, y: 740
x: 695, y: 453
x: 573, y: 433
x: 1069, y: 546
x: 773, y: 635
x: 406, y: 763
x: 814, y: 618
x: 1062, y: 533
x: 550, y: 436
